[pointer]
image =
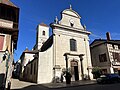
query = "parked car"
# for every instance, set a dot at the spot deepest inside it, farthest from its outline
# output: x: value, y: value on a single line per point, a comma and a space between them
x: 108, y: 78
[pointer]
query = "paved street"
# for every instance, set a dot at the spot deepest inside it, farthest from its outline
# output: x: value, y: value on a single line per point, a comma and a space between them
x: 16, y: 84
x: 87, y: 87
x: 20, y: 85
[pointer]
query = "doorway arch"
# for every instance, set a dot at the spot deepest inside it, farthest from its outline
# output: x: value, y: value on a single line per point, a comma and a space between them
x: 74, y: 69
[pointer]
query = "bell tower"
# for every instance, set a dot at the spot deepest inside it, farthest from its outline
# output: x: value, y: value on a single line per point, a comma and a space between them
x: 42, y: 34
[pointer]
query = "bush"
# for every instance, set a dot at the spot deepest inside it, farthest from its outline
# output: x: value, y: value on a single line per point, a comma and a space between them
x: 96, y: 71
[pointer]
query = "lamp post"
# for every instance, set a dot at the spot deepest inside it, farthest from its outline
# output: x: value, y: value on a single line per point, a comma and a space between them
x: 81, y: 59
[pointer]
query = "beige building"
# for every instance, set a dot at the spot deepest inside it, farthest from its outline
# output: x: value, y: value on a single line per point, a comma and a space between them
x: 66, y: 49
x: 9, y: 17
x: 106, y: 54
x: 26, y: 57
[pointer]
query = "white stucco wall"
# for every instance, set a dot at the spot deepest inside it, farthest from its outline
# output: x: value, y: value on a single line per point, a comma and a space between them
x: 45, y: 66
x: 63, y: 32
x: 28, y: 57
x: 62, y: 45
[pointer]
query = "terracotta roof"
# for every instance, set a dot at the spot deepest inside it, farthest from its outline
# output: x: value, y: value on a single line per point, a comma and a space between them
x: 42, y: 24
x: 7, y: 2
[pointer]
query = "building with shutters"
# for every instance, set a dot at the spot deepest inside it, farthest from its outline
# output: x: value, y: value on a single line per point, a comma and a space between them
x: 105, y: 53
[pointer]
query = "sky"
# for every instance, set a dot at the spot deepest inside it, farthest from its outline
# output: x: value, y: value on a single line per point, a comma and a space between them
x: 99, y: 16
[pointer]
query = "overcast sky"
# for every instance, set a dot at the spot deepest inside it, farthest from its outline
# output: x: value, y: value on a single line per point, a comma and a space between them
x: 99, y: 16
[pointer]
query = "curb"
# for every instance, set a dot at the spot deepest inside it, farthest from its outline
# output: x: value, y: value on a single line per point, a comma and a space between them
x: 64, y: 85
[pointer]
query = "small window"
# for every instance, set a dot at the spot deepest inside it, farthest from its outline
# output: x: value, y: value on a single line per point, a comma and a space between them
x: 103, y: 58
x: 116, y: 56
x: 43, y: 33
x: 73, y: 46
x: 71, y: 24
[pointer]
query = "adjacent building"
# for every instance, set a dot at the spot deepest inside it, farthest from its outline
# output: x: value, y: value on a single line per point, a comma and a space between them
x: 17, y: 69
x: 26, y: 57
x: 67, y: 49
x: 105, y: 53
x: 9, y: 17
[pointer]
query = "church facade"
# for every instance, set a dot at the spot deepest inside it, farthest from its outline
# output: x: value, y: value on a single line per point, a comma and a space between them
x: 67, y: 49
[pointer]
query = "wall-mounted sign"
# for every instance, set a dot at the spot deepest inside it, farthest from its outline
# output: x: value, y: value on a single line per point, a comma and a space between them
x: 115, y: 63
x: 6, y: 23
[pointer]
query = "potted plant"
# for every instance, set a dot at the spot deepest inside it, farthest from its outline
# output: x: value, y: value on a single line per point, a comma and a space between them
x: 68, y: 77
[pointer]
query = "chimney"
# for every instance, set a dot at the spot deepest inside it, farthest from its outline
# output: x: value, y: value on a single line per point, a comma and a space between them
x: 108, y: 36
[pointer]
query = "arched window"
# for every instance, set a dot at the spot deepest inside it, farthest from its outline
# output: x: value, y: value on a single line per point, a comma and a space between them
x: 73, y: 45
x: 43, y: 33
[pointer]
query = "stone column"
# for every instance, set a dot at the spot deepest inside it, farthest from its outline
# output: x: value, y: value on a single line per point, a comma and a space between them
x: 81, y: 59
x: 66, y: 59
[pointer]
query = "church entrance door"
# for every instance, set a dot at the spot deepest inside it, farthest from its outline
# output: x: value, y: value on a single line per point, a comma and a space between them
x: 74, y: 70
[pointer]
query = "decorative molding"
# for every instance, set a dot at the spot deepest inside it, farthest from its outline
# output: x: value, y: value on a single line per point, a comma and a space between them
x: 71, y: 29
x: 69, y: 34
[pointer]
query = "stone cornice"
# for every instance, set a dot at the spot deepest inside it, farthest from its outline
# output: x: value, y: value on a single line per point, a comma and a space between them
x: 70, y: 28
